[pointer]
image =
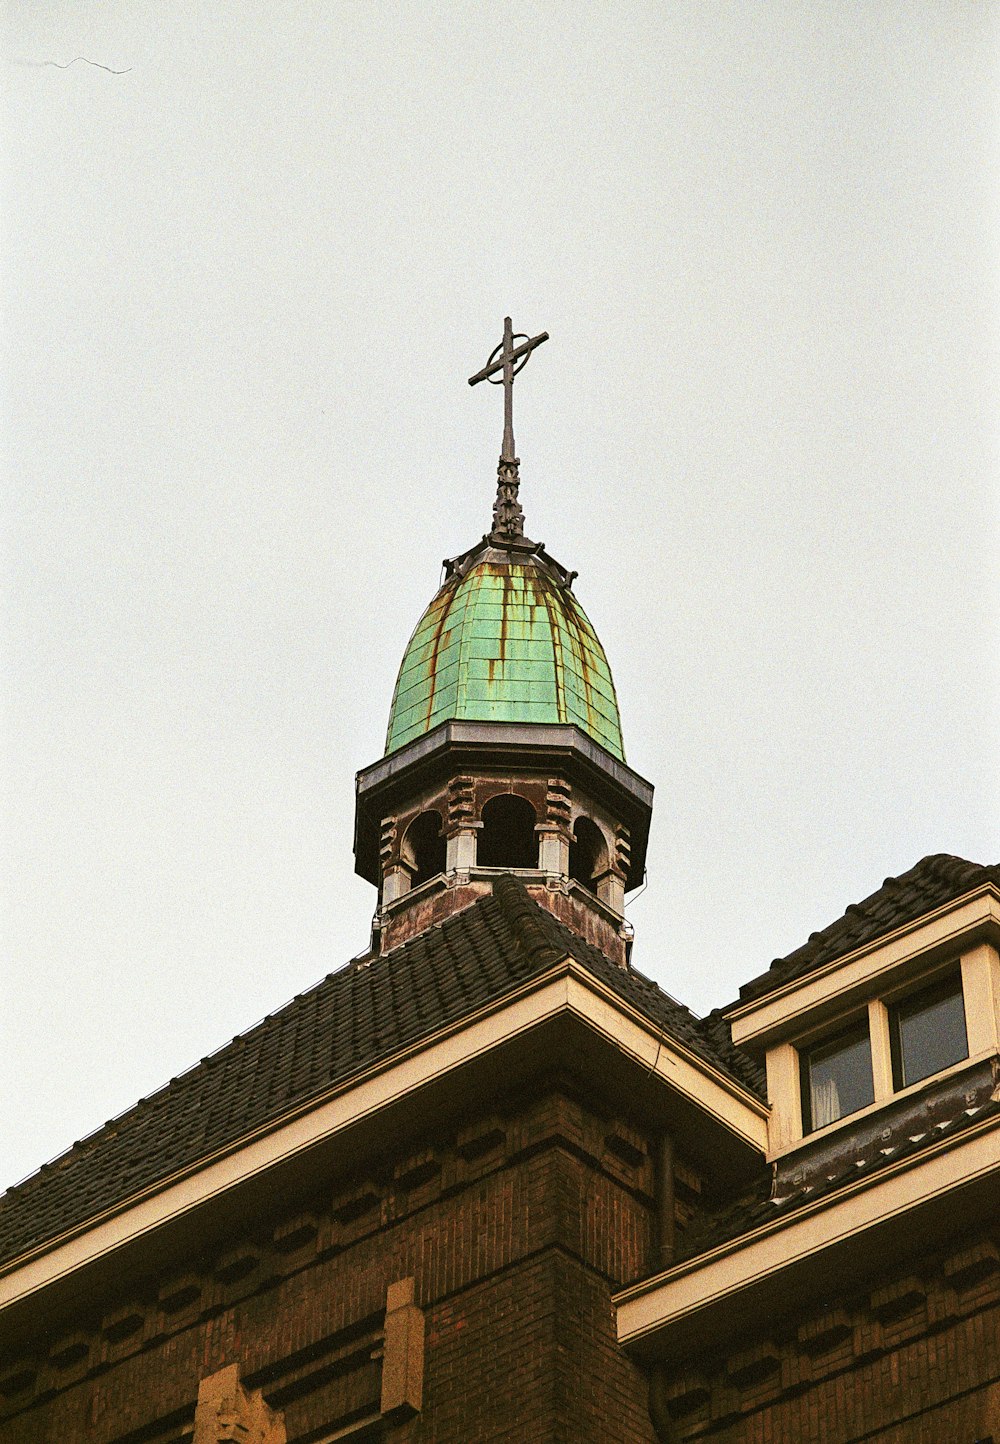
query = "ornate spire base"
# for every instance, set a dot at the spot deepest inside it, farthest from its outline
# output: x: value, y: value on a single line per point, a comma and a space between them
x: 508, y: 518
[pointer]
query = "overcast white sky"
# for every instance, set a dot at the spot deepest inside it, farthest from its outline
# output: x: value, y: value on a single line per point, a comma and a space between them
x: 244, y: 284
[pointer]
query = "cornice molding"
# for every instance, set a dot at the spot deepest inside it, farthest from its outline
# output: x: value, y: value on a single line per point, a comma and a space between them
x: 565, y: 988
x: 711, y: 1281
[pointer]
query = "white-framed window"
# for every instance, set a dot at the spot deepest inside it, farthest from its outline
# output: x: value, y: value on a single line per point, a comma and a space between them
x: 927, y: 1031
x: 837, y: 1076
x: 901, y: 1039
x: 929, y: 1008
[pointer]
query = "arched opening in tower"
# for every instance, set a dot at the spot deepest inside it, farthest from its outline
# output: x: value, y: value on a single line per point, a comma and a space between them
x: 424, y: 849
x: 587, y: 853
x: 507, y: 837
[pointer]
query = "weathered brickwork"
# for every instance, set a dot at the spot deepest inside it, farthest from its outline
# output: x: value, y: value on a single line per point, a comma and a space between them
x: 914, y: 1359
x: 516, y: 1229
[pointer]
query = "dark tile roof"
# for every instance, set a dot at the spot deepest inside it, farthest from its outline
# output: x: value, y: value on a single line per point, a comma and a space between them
x: 759, y: 1205
x: 932, y: 882
x: 355, y: 1017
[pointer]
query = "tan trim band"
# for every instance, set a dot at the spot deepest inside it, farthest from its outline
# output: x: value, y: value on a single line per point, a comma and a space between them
x: 564, y: 989
x: 698, y: 1284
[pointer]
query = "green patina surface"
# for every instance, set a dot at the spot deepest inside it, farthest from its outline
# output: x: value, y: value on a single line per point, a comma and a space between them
x: 505, y: 643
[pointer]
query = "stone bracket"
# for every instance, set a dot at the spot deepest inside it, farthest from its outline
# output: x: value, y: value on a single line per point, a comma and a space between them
x: 403, y: 1359
x: 229, y: 1413
x: 226, y: 1413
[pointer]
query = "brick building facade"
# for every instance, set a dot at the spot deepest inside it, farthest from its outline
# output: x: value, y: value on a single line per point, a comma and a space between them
x: 489, y: 1182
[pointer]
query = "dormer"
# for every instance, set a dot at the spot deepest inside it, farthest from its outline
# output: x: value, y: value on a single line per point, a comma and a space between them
x: 884, y: 1022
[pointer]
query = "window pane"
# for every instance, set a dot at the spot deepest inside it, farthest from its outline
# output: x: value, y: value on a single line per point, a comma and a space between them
x: 930, y: 1033
x: 840, y: 1078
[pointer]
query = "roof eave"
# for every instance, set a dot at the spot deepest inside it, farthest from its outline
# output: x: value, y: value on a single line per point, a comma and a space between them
x: 774, y: 1267
x: 566, y: 990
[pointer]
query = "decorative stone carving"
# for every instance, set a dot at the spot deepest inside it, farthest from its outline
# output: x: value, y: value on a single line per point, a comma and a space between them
x: 461, y: 825
x: 461, y: 803
x: 554, y: 832
x: 623, y: 850
x: 388, y: 838
x: 558, y: 803
x: 226, y: 1413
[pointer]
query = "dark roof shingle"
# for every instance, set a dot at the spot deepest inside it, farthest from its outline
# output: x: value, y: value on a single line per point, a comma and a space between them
x: 355, y: 1017
x: 934, y: 880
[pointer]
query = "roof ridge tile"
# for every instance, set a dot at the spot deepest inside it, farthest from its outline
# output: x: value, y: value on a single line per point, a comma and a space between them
x: 352, y: 1019
x: 935, y: 880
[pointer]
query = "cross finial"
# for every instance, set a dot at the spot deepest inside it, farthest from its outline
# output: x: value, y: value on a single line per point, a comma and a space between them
x: 500, y: 369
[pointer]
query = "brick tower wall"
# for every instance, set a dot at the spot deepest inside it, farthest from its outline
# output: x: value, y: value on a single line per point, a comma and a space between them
x: 515, y: 1229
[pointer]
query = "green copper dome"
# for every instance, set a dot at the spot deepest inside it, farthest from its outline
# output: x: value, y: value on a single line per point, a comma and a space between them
x: 505, y: 640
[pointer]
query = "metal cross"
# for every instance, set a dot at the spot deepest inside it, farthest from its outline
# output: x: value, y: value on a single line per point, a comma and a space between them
x: 503, y: 360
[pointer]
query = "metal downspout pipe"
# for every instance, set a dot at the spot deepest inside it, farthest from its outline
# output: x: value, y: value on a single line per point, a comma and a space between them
x: 663, y: 1163
x: 663, y: 1191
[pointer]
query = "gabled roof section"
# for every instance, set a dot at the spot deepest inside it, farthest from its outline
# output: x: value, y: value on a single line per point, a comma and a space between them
x: 356, y: 1017
x: 934, y: 881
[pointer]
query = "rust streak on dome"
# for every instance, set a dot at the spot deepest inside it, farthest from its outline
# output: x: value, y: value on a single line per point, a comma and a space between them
x: 505, y: 640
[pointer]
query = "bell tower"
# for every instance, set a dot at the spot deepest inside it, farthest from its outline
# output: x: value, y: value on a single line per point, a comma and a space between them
x: 504, y: 749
